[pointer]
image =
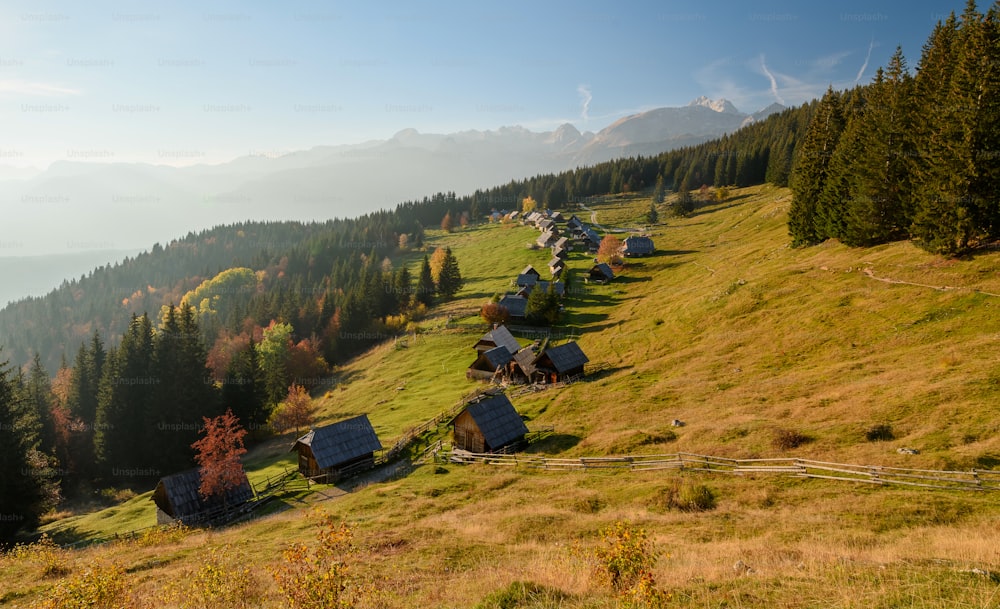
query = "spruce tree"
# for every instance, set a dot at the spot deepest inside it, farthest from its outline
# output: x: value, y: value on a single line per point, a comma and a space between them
x: 450, y: 278
x: 124, y: 432
x: 244, y: 390
x: 20, y: 494
x: 425, y: 284
x: 811, y: 168
x: 402, y: 288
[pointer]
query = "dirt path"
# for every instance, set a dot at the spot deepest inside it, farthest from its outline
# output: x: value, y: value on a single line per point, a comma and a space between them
x: 940, y: 288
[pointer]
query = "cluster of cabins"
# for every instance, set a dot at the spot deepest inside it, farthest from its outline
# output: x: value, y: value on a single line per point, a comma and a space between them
x: 487, y: 423
x: 501, y: 359
x: 561, y: 235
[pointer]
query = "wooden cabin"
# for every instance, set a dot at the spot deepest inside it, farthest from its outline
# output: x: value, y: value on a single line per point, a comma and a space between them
x: 335, y: 451
x: 560, y: 363
x: 600, y: 273
x: 637, y: 246
x: 178, y: 499
x: 517, y: 306
x: 487, y: 424
x: 591, y: 239
x: 521, y: 368
x: 546, y: 239
x: 488, y: 363
x: 556, y: 265
x: 499, y: 336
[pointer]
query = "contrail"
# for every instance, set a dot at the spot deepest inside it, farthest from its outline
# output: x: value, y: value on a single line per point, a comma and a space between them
x: 585, y: 95
x: 864, y: 66
x: 774, y: 83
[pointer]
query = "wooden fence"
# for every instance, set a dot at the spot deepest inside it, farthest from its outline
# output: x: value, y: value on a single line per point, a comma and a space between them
x: 970, y: 480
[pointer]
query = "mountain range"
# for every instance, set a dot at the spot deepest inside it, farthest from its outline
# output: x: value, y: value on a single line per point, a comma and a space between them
x: 77, y: 206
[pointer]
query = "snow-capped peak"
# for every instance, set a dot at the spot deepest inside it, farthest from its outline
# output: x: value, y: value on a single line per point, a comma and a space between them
x: 718, y: 105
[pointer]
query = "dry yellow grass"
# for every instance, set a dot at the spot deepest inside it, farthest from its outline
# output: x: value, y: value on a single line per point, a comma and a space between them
x: 732, y: 332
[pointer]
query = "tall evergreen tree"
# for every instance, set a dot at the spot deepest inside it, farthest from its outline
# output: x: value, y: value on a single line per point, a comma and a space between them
x: 21, y: 500
x: 182, y: 394
x: 244, y: 390
x: 124, y: 430
x: 83, y: 397
x: 402, y: 288
x: 880, y: 206
x: 450, y: 279
x: 811, y: 168
x: 425, y: 284
x: 38, y: 392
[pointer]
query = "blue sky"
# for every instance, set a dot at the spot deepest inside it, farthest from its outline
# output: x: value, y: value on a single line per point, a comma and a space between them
x: 185, y: 82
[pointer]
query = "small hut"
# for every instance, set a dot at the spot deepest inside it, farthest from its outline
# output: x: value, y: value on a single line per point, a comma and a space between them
x: 558, y: 287
x: 560, y: 363
x: 488, y: 363
x: 637, y: 246
x: 521, y: 369
x: 601, y: 273
x: 487, y: 424
x: 591, y: 239
x: 556, y: 265
x: 335, y: 451
x: 499, y: 336
x: 178, y: 499
x: 546, y: 239
x: 517, y: 306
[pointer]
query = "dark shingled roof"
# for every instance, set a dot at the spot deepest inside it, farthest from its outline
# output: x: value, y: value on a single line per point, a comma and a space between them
x: 526, y: 279
x: 564, y: 357
x: 592, y: 235
x: 557, y: 286
x: 497, y: 420
x: 497, y: 356
x: 342, y: 441
x: 501, y: 337
x: 517, y: 306
x: 177, y: 495
x: 603, y: 269
x: 574, y: 221
x: 638, y: 245
x: 525, y: 358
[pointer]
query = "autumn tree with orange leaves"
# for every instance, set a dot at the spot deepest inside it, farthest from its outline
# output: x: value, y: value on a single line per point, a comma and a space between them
x: 218, y: 454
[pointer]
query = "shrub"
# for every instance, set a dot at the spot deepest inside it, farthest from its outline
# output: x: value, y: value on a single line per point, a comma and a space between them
x: 522, y: 594
x: 318, y: 578
x: 625, y: 562
x: 787, y: 439
x: 100, y: 587
x: 879, y: 433
x: 44, y: 553
x: 224, y: 581
x: 685, y: 497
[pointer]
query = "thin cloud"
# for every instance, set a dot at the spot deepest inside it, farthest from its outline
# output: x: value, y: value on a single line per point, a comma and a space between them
x: 774, y: 82
x: 34, y: 89
x: 585, y: 98
x: 864, y: 66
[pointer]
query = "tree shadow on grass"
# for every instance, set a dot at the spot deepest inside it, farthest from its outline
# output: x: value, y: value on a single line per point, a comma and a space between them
x: 553, y: 444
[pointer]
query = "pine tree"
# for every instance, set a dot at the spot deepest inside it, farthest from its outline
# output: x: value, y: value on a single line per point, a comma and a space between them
x: 21, y: 500
x: 244, y: 391
x: 425, y: 284
x: 450, y: 278
x: 402, y: 288
x: 659, y: 191
x: 123, y: 432
x: 811, y: 168
x: 38, y: 393
x: 879, y: 209
x: 942, y: 219
x: 182, y: 394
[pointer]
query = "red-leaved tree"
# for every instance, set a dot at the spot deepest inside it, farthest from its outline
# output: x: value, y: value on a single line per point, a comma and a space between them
x: 218, y: 454
x: 495, y: 313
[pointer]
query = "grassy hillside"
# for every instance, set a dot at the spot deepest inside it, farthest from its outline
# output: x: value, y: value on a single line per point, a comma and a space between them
x: 727, y: 329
